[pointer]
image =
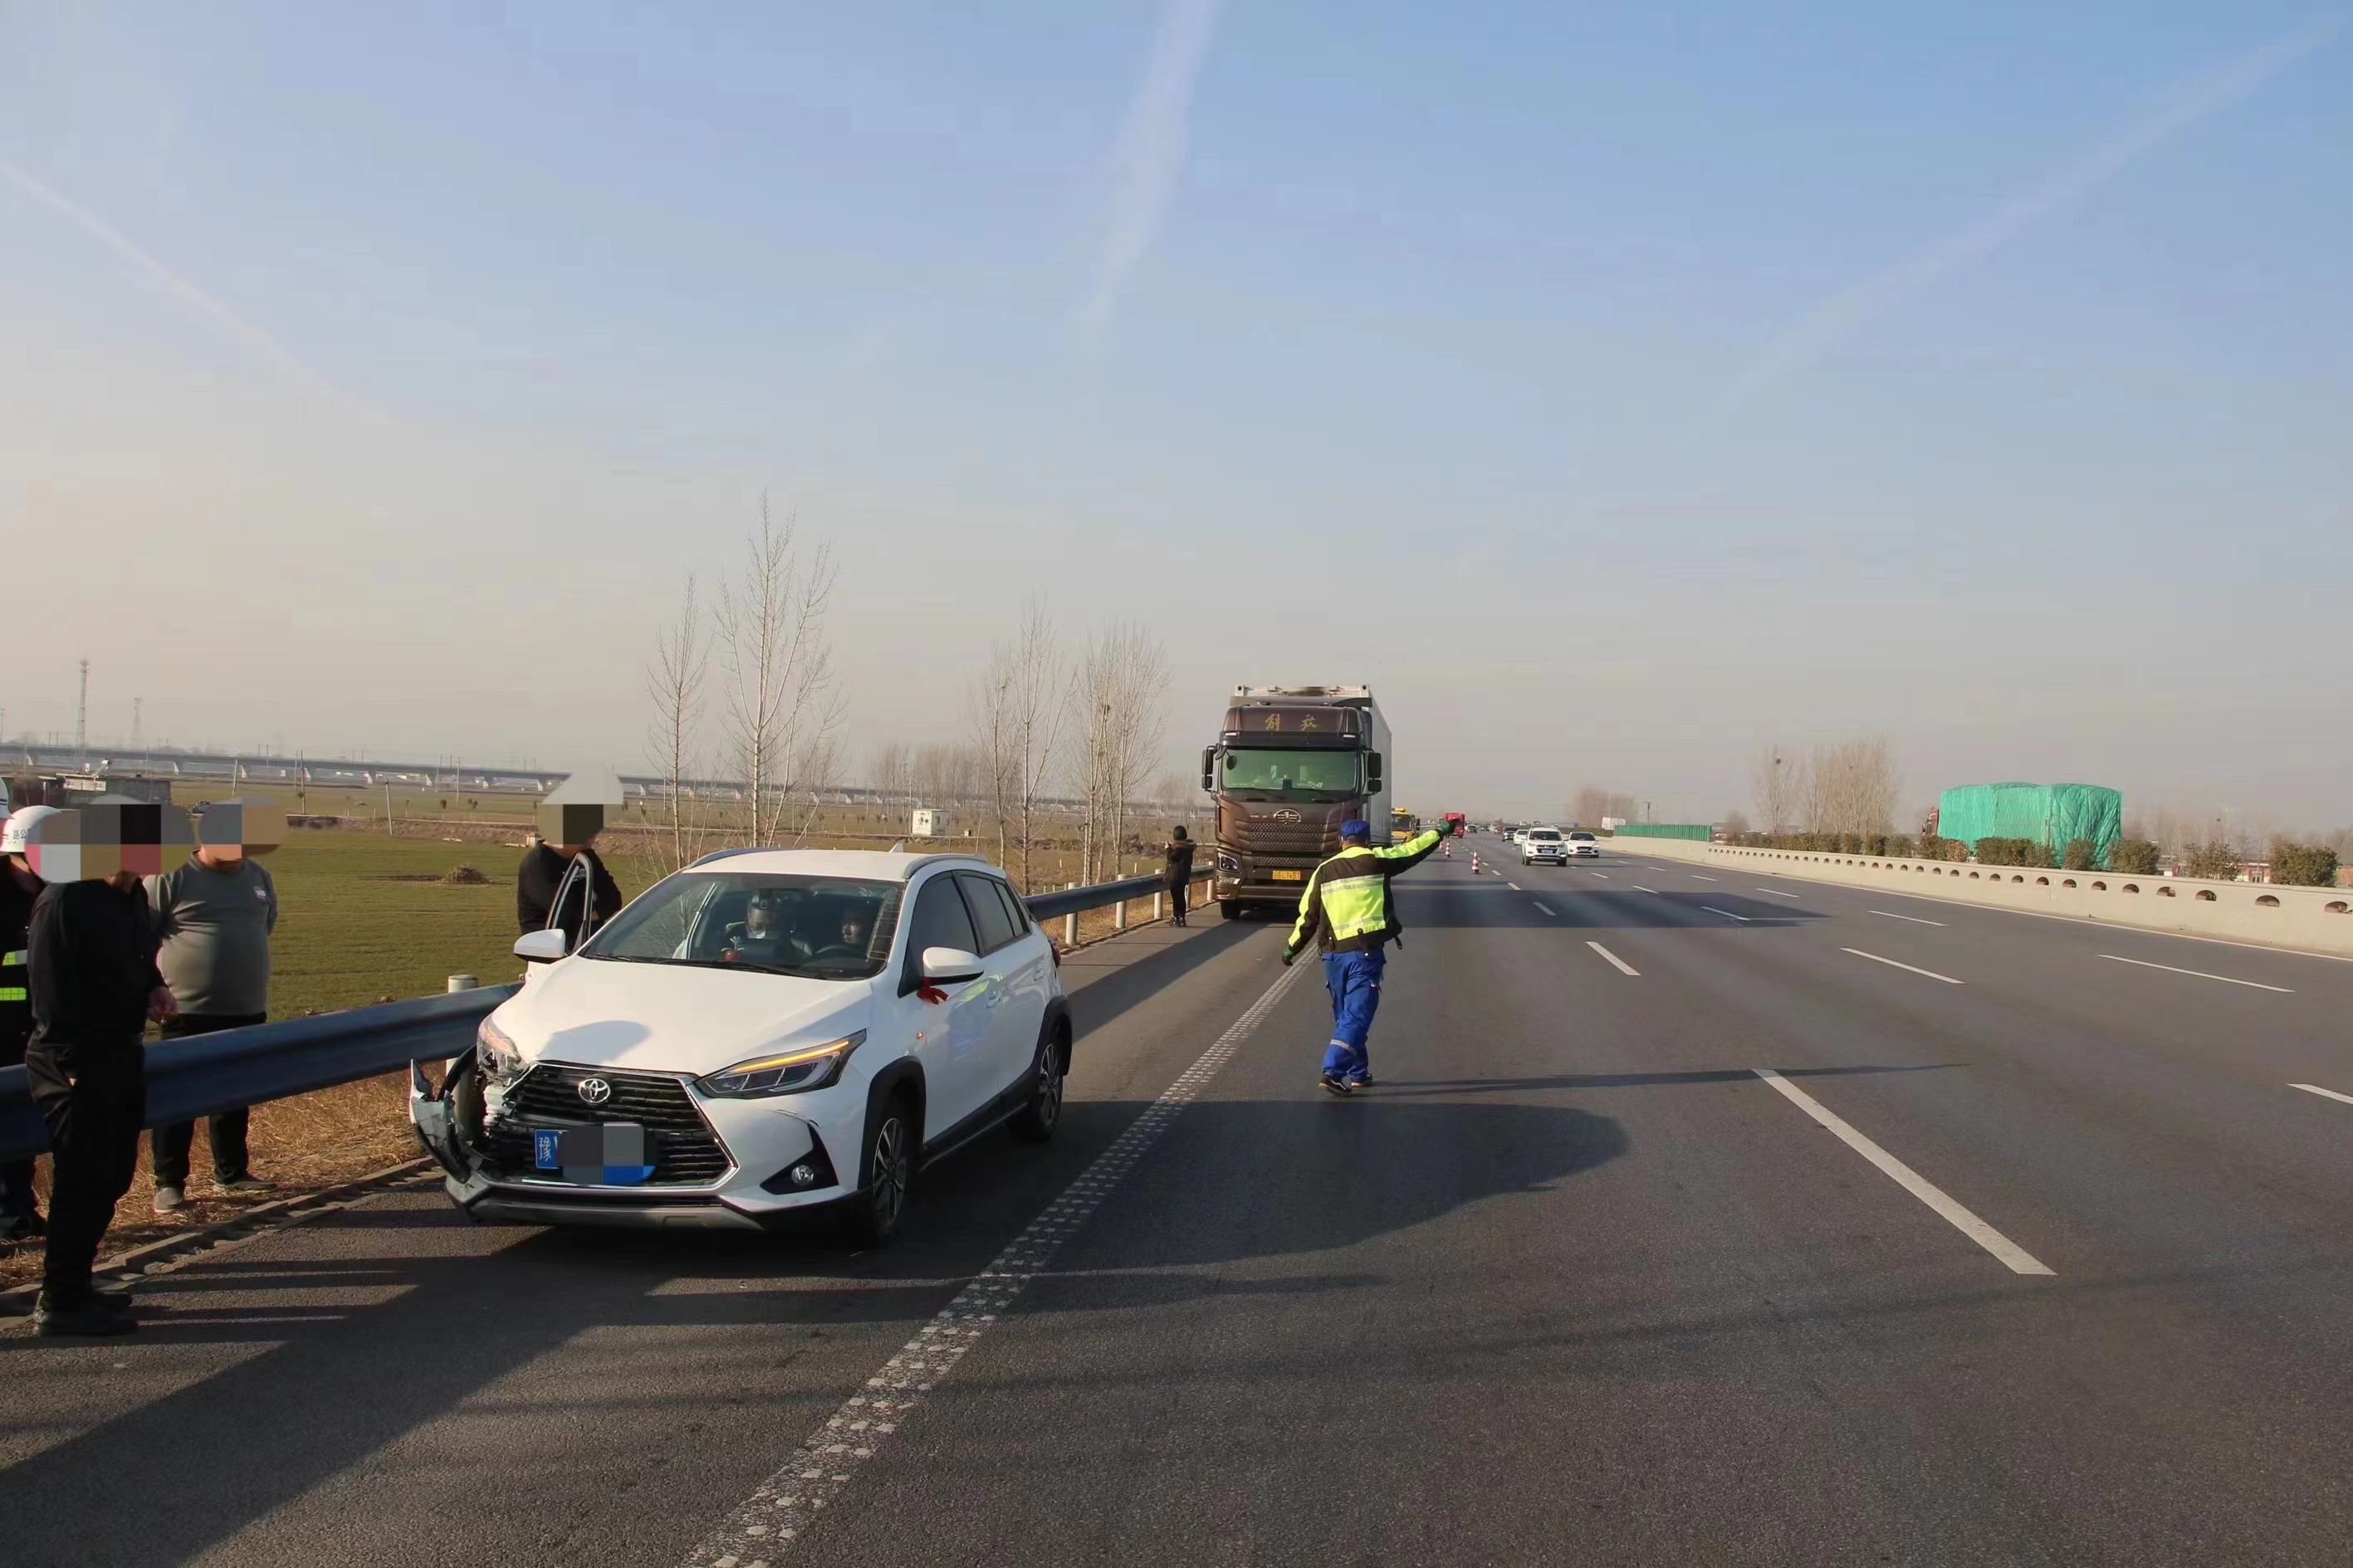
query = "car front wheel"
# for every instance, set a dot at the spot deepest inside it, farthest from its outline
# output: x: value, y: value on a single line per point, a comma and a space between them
x: 880, y: 1207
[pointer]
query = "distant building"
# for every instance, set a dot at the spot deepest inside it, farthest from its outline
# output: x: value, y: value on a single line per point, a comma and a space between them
x: 79, y: 789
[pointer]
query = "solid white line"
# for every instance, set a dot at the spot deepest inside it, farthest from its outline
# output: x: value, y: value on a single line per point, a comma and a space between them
x: 1893, y: 965
x: 1916, y: 920
x: 1777, y: 893
x: 1640, y: 888
x: 2316, y: 1089
x: 1728, y: 914
x: 2254, y: 984
x: 1542, y: 905
x: 1623, y: 967
x: 1697, y: 877
x: 791, y: 1500
x: 2017, y: 1257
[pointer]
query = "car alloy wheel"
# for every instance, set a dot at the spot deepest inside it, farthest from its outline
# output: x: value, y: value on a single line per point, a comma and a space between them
x: 886, y: 1197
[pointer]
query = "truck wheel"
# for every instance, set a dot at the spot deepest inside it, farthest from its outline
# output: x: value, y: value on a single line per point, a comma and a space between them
x: 1229, y: 908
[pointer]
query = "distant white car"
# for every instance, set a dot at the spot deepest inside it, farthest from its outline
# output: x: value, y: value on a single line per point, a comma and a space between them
x: 1543, y: 844
x: 1584, y: 844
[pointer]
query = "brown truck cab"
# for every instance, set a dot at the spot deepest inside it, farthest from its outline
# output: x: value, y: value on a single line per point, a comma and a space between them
x: 1291, y: 763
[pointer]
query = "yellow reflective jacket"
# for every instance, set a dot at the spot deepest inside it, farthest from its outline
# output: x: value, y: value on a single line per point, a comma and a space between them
x: 1346, y: 905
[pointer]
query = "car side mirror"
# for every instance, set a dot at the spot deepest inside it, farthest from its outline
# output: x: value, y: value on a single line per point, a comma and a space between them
x: 1372, y: 772
x: 950, y: 966
x: 542, y: 946
x: 1210, y: 769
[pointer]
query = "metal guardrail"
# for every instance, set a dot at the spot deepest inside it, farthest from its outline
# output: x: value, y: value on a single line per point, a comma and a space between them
x: 195, y: 1077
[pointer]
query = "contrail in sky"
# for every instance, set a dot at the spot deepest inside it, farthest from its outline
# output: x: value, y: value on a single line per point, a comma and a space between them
x: 1150, y: 152
x: 162, y: 276
x: 1808, y: 341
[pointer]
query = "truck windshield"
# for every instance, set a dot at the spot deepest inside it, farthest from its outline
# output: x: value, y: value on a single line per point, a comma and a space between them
x: 1253, y: 769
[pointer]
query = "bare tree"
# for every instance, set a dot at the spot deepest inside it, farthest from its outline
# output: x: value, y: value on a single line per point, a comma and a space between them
x: 890, y: 771
x: 1016, y: 710
x: 1588, y: 806
x: 1850, y: 787
x: 1777, y: 786
x: 674, y: 680
x: 1116, y: 691
x: 780, y: 704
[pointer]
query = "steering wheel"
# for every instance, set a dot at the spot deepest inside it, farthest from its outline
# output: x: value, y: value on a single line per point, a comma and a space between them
x: 840, y: 949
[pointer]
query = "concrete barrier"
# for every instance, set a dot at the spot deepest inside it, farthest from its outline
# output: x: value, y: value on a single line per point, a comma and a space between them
x: 2311, y: 920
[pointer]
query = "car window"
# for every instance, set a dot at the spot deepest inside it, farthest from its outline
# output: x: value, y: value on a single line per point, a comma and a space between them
x: 1013, y: 906
x: 830, y: 928
x: 989, y: 916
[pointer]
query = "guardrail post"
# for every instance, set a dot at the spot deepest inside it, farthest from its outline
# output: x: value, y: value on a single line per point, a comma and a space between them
x: 1156, y: 905
x: 1119, y: 915
x: 464, y: 983
x: 1070, y: 923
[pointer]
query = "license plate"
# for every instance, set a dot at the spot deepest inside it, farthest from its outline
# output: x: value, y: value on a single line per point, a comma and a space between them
x: 1287, y: 876
x: 617, y: 1155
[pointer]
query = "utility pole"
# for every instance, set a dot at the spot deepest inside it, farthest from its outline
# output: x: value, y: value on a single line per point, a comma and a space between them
x: 81, y: 713
x: 136, y: 703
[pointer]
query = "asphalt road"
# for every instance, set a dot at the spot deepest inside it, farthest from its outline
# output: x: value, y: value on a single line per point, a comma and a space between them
x: 2025, y: 1254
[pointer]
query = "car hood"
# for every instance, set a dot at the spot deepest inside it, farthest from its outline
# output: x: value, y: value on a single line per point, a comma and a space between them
x: 658, y: 1017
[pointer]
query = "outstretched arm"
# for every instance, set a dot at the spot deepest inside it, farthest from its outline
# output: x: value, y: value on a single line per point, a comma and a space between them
x: 1405, y: 856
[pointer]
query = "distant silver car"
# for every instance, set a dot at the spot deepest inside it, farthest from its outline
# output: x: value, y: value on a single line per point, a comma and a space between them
x: 1584, y: 844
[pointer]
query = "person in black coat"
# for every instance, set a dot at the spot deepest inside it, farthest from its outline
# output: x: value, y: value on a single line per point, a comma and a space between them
x: 541, y: 875
x: 1179, y: 871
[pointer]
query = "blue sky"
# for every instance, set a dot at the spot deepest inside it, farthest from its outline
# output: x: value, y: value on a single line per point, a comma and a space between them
x: 1671, y: 373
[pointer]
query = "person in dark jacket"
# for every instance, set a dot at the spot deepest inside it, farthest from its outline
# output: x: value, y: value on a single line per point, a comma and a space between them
x: 1180, y: 871
x: 540, y: 877
x: 20, y: 1215
x: 95, y: 988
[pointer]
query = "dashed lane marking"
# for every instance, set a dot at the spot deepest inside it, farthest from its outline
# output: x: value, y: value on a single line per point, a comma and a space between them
x: 1547, y: 908
x: 2201, y: 975
x: 1777, y: 893
x: 1697, y: 877
x: 1893, y: 965
x: 763, y: 1530
x: 1603, y: 877
x: 1623, y: 967
x: 1916, y: 920
x: 1728, y: 914
x: 2018, y: 1259
x: 1640, y: 888
x: 2324, y: 1093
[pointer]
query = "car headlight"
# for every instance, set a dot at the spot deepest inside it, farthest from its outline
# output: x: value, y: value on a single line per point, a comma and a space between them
x: 787, y: 1072
x: 497, y: 1053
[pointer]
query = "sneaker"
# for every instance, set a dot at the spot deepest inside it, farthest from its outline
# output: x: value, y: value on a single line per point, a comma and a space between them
x: 169, y: 1199
x: 88, y: 1317
x: 1364, y: 1082
x: 247, y: 1187
x: 1339, y: 1085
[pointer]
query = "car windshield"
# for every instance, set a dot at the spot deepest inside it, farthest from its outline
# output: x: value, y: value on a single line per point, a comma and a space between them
x: 1253, y: 770
x: 1544, y: 833
x: 1582, y: 838
x: 824, y: 927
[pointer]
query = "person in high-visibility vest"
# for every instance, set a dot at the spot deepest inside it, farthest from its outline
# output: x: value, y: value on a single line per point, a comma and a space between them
x: 1347, y: 909
x: 20, y: 1215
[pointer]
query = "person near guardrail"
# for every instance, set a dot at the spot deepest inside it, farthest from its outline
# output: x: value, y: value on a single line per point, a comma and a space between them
x: 567, y: 834
x: 1347, y: 909
x: 215, y: 914
x: 95, y: 986
x: 20, y: 1214
x: 1180, y: 871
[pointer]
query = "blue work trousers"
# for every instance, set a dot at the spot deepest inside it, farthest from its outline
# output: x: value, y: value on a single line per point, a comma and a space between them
x: 1354, y: 981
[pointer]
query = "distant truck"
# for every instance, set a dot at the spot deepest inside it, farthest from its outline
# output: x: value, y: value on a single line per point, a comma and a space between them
x: 1291, y: 763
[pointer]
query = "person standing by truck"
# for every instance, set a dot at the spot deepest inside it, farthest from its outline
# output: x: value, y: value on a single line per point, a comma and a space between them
x: 1348, y: 909
x: 20, y: 1217
x: 1179, y: 873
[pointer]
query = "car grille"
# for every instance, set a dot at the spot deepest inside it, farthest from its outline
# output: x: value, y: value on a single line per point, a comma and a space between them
x: 687, y: 1153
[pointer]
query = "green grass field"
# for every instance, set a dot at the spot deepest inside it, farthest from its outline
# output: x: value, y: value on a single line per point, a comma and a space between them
x: 363, y: 918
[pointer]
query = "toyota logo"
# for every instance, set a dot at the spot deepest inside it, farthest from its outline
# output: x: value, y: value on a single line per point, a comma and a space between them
x: 595, y: 1090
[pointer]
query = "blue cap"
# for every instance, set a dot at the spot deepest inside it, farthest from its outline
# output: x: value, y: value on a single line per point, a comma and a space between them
x: 1356, y: 828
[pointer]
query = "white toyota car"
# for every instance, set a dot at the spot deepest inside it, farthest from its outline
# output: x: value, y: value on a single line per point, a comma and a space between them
x: 761, y: 1034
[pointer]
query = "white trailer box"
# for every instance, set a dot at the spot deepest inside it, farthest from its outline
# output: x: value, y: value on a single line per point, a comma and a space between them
x: 930, y: 824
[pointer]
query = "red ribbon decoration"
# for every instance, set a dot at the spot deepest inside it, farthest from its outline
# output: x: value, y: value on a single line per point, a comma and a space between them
x: 931, y: 992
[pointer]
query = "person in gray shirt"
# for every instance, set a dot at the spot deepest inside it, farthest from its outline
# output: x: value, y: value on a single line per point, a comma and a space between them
x: 214, y: 913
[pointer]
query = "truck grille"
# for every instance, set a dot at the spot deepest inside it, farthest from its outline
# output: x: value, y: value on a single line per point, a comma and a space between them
x: 1285, y: 838
x: 687, y: 1153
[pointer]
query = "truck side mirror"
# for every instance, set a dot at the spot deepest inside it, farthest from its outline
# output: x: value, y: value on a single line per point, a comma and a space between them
x: 1372, y: 772
x: 1209, y: 768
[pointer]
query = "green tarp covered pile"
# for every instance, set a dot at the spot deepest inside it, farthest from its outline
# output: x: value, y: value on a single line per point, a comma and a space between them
x: 1699, y: 830
x: 2052, y: 815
